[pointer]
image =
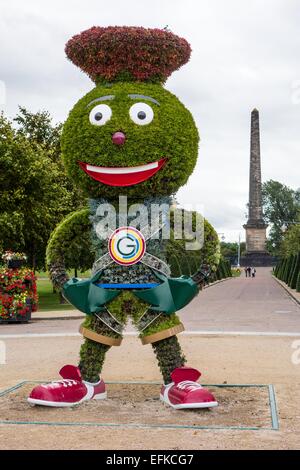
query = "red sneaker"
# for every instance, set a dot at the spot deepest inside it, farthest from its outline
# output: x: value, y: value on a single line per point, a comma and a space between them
x: 70, y: 391
x: 185, y: 392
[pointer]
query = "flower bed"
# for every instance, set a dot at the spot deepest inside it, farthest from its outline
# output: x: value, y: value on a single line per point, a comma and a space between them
x: 18, y: 294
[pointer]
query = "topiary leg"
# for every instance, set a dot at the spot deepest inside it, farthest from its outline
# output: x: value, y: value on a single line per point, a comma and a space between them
x: 92, y: 357
x: 92, y: 354
x: 169, y: 355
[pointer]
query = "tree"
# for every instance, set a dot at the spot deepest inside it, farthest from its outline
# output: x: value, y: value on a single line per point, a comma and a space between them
x: 230, y: 250
x: 281, y: 206
x: 291, y: 240
x: 38, y: 129
x: 34, y: 192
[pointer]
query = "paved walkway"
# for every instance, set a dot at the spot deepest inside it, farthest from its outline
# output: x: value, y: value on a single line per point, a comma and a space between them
x: 244, y: 304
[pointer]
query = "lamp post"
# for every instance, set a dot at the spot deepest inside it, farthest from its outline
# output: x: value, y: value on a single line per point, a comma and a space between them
x: 239, y: 251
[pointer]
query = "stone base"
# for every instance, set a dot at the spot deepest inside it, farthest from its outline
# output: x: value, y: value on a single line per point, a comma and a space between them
x: 255, y: 238
x: 258, y: 259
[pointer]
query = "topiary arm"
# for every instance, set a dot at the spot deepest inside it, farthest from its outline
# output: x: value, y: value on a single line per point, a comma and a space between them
x: 200, y: 261
x: 69, y: 247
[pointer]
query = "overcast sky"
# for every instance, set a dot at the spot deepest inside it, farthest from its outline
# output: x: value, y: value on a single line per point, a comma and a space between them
x: 245, y: 55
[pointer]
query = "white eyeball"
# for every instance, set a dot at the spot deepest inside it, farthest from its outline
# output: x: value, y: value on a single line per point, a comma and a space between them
x: 141, y: 114
x: 100, y: 114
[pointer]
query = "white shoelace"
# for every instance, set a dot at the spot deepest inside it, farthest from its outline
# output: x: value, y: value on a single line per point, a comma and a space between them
x: 65, y: 382
x: 188, y: 385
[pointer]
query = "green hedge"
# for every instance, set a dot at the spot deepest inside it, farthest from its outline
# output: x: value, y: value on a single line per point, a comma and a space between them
x: 223, y: 271
x: 296, y: 270
x: 298, y: 283
x: 288, y: 269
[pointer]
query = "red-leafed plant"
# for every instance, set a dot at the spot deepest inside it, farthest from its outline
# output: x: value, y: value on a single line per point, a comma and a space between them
x: 124, y: 53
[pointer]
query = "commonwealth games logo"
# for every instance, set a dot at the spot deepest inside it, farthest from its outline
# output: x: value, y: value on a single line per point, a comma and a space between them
x: 126, y: 246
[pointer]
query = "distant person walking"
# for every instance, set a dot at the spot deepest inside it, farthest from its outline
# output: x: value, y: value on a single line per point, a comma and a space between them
x: 249, y: 271
x: 253, y: 272
x: 246, y: 271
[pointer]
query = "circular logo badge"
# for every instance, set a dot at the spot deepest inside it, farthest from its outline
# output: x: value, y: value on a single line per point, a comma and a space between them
x: 126, y: 246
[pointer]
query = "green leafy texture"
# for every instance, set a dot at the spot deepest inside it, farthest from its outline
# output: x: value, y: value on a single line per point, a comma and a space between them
x: 171, y: 134
x: 281, y: 206
x: 290, y: 274
x: 38, y: 129
x: 230, y: 249
x: 291, y: 240
x: 33, y: 194
x: 281, y: 269
x: 125, y: 305
x: 163, y: 322
x: 169, y: 356
x: 187, y: 262
x: 298, y: 283
x: 288, y: 268
x: 295, y: 273
x: 92, y: 354
x: 70, y: 242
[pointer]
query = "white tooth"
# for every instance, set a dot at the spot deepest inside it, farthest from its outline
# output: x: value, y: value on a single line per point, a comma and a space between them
x: 120, y: 170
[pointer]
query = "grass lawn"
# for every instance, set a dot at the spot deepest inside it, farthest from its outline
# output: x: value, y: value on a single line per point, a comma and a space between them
x: 236, y: 272
x: 48, y: 300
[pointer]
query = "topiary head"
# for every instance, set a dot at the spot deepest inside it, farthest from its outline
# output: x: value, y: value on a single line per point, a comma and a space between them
x: 129, y: 137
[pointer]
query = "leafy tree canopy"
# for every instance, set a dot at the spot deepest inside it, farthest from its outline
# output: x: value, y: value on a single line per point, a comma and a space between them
x: 291, y: 241
x: 281, y: 206
x: 35, y: 193
x: 230, y: 250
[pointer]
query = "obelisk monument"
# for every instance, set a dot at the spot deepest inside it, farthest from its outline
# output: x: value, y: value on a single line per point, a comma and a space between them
x: 255, y: 226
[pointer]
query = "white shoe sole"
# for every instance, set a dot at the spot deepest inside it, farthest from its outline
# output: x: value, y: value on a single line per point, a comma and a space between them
x: 185, y: 406
x: 55, y: 404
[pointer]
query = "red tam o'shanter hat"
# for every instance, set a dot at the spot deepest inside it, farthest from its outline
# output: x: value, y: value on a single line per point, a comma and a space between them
x: 125, y: 53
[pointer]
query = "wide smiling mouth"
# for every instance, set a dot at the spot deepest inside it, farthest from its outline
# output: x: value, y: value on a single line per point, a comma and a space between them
x: 122, y: 176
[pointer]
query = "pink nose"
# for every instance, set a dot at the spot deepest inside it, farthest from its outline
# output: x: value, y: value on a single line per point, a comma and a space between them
x: 118, y: 138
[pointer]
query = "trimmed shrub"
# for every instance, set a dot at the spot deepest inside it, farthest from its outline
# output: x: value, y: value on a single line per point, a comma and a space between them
x: 282, y: 268
x: 185, y: 262
x: 70, y: 242
x: 290, y: 275
x: 296, y: 271
x: 298, y: 283
x: 287, y: 268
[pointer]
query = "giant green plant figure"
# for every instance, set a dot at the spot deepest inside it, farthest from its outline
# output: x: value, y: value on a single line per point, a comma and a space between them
x: 131, y: 137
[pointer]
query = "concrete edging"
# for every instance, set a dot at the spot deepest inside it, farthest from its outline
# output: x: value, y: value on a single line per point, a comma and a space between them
x: 218, y: 282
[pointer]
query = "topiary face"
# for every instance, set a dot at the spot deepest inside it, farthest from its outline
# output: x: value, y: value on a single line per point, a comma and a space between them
x: 129, y: 138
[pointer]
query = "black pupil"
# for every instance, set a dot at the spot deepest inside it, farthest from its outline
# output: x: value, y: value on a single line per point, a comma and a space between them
x: 141, y: 115
x: 98, y: 116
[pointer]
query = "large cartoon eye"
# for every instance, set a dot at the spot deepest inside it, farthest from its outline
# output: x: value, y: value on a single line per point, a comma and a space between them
x: 100, y: 115
x: 141, y: 113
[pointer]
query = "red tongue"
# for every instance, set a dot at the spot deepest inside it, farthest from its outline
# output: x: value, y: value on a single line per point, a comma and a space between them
x: 70, y: 372
x: 123, y: 179
x: 185, y: 373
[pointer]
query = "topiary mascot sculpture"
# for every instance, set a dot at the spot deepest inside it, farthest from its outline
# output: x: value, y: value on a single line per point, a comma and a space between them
x: 129, y: 145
